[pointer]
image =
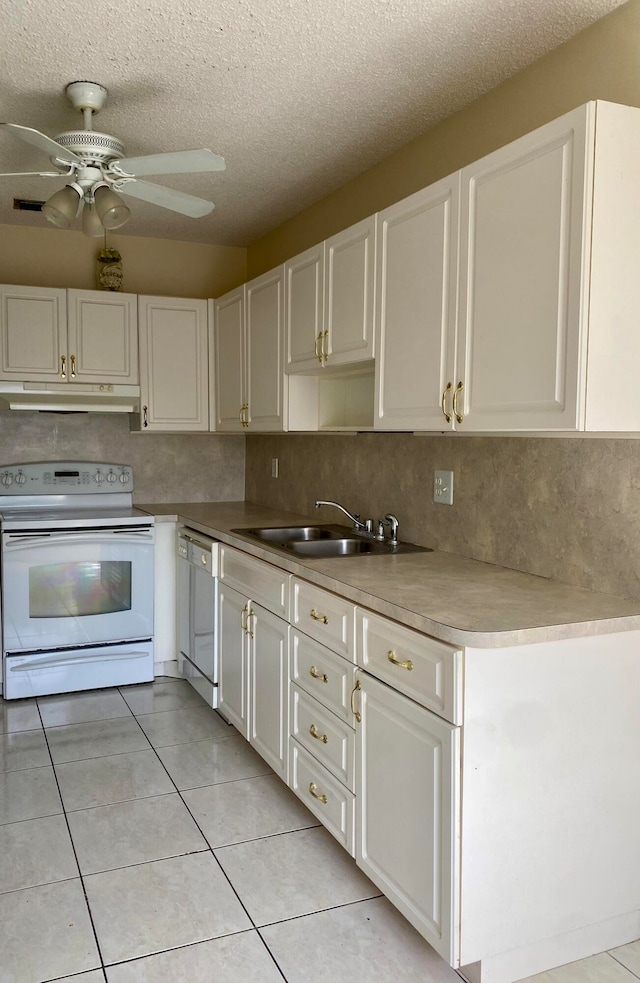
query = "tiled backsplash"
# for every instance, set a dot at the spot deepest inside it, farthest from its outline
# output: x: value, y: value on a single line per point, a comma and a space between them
x: 166, y: 467
x: 567, y: 508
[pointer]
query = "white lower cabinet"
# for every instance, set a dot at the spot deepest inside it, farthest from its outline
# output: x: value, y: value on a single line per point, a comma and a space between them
x: 269, y: 688
x: 254, y: 655
x: 407, y: 808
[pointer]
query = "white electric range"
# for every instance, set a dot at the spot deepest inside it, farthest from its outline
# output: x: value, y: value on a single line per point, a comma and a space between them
x: 77, y: 579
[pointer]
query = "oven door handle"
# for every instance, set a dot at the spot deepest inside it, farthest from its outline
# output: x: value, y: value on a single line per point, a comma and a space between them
x: 15, y: 541
x: 64, y: 659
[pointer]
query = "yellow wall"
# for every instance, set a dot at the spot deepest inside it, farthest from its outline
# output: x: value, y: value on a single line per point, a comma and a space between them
x: 602, y: 62
x: 62, y: 258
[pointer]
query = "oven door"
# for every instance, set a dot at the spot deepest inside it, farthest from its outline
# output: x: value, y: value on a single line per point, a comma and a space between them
x: 76, y: 587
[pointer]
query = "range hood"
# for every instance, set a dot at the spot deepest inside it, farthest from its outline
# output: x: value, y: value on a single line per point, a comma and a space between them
x: 69, y: 397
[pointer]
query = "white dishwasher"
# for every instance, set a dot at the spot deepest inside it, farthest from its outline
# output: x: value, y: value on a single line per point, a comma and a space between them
x: 197, y: 615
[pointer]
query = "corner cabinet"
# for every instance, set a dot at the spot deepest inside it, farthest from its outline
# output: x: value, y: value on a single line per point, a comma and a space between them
x: 249, y: 386
x: 73, y: 336
x: 174, y: 380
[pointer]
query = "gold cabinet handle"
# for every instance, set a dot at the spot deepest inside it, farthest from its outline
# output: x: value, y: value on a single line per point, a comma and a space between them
x: 145, y: 420
x: 323, y: 351
x: 319, y: 617
x: 73, y: 366
x: 243, y: 621
x: 446, y: 390
x: 63, y: 366
x: 407, y: 664
x: 313, y: 730
x: 355, y: 712
x: 251, y: 615
x: 318, y: 675
x: 313, y: 788
x: 244, y: 414
x: 318, y: 343
x: 459, y: 417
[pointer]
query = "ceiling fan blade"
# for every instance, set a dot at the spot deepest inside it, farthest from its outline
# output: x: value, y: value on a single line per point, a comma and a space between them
x: 177, y: 201
x: 42, y: 142
x: 35, y: 174
x: 180, y: 162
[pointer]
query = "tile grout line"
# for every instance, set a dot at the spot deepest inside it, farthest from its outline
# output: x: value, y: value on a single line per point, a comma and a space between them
x: 615, y: 959
x: 73, y: 847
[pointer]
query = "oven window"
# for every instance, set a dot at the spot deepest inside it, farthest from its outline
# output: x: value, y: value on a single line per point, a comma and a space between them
x: 63, y: 590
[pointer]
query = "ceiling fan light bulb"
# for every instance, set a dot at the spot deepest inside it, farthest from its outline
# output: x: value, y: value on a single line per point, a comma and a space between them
x: 91, y: 224
x: 62, y: 207
x: 110, y: 208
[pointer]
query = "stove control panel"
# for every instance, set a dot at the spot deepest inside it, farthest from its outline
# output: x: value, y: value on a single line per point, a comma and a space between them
x: 65, y: 477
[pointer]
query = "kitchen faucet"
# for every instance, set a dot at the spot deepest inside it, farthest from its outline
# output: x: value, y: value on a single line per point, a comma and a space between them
x: 366, y: 528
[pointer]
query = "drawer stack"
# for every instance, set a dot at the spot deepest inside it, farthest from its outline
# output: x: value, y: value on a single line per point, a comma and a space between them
x: 322, y: 737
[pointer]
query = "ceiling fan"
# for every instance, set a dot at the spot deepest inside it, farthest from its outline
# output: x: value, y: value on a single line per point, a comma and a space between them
x: 99, y: 172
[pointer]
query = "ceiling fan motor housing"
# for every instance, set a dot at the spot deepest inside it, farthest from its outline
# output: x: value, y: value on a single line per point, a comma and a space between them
x: 91, y: 145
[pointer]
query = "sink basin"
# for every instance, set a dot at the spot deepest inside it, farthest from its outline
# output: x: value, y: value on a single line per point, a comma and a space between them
x: 289, y: 534
x: 326, y: 541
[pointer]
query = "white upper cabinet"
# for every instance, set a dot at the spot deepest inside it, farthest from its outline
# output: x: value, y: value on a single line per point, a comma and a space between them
x: 250, y: 384
x: 50, y: 335
x: 173, y: 364
x: 103, y: 336
x: 349, y: 294
x: 416, y: 284
x: 228, y: 390
x: 304, y: 285
x: 522, y: 315
x: 330, y: 295
x: 525, y: 229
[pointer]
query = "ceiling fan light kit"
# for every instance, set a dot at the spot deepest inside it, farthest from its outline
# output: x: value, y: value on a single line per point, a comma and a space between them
x: 98, y: 169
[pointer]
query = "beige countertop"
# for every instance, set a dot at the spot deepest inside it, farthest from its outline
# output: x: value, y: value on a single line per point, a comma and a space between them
x: 461, y: 601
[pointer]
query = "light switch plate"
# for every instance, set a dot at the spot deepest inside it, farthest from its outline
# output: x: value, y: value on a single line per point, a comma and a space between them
x: 443, y: 487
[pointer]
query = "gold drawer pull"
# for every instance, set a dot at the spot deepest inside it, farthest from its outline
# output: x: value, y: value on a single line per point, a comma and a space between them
x: 313, y: 730
x: 313, y: 788
x: 318, y: 675
x: 63, y: 364
x: 355, y: 713
x: 319, y: 617
x: 73, y: 366
x: 408, y: 664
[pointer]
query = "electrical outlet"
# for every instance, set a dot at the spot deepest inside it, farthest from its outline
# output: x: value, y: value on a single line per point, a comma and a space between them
x: 443, y: 487
x: 274, y: 467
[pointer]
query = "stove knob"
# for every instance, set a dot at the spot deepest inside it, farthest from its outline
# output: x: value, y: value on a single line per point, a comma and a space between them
x: 98, y: 477
x: 21, y: 478
x: 111, y: 477
x: 6, y: 479
x: 125, y: 477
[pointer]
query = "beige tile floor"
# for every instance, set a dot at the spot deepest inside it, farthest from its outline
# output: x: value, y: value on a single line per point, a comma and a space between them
x: 142, y: 840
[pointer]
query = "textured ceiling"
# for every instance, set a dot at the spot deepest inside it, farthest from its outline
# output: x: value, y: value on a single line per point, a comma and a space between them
x: 299, y: 96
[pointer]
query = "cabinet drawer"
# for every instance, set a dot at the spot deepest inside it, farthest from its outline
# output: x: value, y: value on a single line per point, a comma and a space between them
x: 324, y: 616
x: 323, y: 735
x: 322, y: 674
x: 322, y: 794
x: 423, y: 668
x: 263, y: 583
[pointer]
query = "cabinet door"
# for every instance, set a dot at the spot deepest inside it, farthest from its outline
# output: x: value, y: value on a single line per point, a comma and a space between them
x: 103, y: 337
x: 349, y: 294
x: 304, y: 283
x: 233, y: 658
x: 33, y: 334
x: 525, y: 229
x: 173, y: 364
x: 416, y: 289
x: 407, y: 789
x: 264, y: 364
x: 229, y: 361
x: 269, y: 682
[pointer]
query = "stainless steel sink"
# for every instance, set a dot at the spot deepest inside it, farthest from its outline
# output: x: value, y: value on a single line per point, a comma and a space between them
x: 326, y: 541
